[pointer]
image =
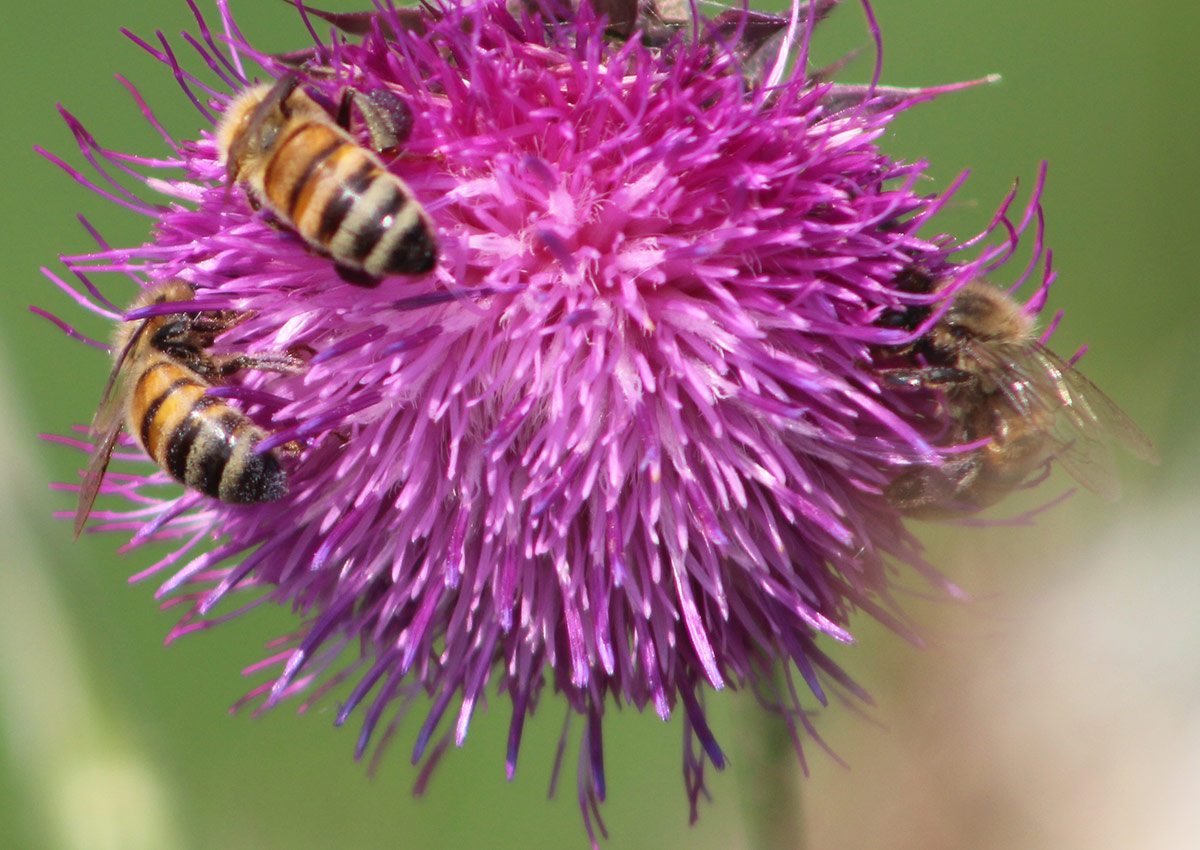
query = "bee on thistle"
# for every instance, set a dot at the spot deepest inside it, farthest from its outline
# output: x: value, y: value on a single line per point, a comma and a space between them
x: 312, y: 174
x: 158, y: 393
x: 1021, y: 403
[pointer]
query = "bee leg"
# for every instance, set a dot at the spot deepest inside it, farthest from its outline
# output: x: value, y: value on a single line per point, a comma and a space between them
x: 344, y: 107
x: 225, y: 365
x: 187, y: 338
x: 388, y: 117
x: 357, y: 277
x: 277, y: 98
x: 215, y: 322
x: 927, y: 377
x: 939, y: 492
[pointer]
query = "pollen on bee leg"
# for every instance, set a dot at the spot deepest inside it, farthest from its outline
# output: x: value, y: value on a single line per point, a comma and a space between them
x: 388, y: 117
x: 284, y: 364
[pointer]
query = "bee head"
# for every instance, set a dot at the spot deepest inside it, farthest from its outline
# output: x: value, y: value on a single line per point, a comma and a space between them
x: 984, y: 312
x: 911, y: 279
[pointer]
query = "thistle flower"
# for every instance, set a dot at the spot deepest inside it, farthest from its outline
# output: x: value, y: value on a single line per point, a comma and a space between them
x: 626, y: 438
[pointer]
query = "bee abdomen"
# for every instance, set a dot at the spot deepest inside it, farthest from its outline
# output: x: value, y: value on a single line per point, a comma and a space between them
x: 341, y: 199
x: 213, y: 452
x: 201, y: 441
x: 388, y: 232
x: 303, y: 168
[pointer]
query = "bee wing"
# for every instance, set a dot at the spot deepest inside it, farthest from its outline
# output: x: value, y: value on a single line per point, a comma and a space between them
x: 105, y: 428
x: 1081, y: 421
x: 1089, y: 459
x: 106, y: 441
x: 1088, y: 425
x: 1092, y: 411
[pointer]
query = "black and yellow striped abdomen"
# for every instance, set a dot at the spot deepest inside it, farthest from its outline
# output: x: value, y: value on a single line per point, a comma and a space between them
x: 201, y: 441
x: 341, y: 199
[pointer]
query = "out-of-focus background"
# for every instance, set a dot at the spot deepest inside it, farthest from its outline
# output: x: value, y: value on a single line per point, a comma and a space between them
x: 1060, y: 708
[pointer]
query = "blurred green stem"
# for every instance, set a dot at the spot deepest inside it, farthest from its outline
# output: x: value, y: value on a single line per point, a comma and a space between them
x: 771, y: 804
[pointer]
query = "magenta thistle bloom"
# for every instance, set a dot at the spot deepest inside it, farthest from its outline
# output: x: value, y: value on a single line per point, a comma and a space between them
x: 626, y: 437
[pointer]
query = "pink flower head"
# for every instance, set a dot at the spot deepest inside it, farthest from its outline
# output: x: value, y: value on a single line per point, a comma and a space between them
x: 625, y: 438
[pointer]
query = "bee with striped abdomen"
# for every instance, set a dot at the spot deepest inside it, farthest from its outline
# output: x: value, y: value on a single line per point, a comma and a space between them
x: 157, y: 390
x: 295, y: 159
x: 1003, y: 390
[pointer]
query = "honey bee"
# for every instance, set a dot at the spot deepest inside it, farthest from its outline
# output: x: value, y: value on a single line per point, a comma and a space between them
x: 1003, y: 390
x: 156, y: 390
x: 294, y: 159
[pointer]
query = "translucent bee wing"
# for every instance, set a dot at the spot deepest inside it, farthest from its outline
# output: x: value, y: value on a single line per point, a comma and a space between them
x: 1019, y: 374
x: 1091, y: 464
x: 105, y: 429
x: 1092, y: 411
x: 106, y: 441
x: 1081, y: 422
x: 1088, y: 425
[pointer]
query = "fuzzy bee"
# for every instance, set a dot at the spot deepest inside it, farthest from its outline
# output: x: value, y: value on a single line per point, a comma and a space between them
x: 293, y: 158
x: 1003, y: 389
x: 157, y: 391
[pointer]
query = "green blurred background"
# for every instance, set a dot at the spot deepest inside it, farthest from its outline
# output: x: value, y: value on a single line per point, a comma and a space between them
x: 1060, y: 708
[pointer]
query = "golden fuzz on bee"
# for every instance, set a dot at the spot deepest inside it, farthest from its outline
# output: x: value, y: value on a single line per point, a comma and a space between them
x: 157, y: 391
x: 1004, y: 389
x: 294, y: 159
